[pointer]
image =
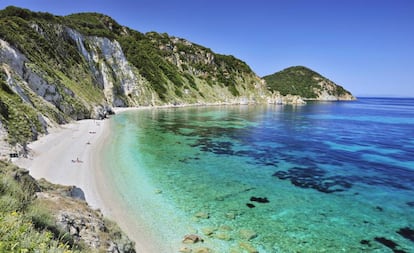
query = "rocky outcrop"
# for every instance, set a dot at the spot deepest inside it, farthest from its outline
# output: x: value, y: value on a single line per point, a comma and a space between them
x: 120, y: 81
x: 84, y: 225
x: 57, y: 210
x: 329, y: 91
x: 92, y: 230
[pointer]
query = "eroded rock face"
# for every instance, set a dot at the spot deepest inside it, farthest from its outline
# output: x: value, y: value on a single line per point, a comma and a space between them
x: 84, y: 225
x: 120, y: 81
x: 87, y: 227
x: 17, y: 67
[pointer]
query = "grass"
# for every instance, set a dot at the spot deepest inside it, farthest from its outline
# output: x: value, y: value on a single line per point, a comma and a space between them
x: 20, y: 119
x: 24, y: 225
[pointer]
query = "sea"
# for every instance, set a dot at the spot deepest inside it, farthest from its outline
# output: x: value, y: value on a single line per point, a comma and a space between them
x: 320, y: 177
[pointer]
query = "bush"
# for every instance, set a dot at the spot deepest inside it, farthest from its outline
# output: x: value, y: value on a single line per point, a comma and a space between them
x: 25, y: 226
x: 17, y: 234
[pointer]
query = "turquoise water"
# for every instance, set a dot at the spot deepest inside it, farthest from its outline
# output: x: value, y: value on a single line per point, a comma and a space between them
x: 323, y: 177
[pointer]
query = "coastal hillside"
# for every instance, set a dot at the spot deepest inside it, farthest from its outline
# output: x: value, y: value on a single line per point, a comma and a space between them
x: 306, y: 83
x: 54, y: 69
x: 36, y: 216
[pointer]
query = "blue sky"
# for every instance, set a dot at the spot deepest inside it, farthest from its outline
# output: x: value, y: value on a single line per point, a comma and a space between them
x: 365, y: 45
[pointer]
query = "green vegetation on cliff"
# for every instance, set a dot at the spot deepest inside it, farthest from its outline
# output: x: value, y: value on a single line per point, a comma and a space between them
x: 25, y: 225
x: 151, y: 53
x: 52, y: 57
x: 21, y: 120
x: 301, y: 81
x: 37, y: 216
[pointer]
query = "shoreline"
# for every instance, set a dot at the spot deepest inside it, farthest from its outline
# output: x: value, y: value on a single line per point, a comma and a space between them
x: 71, y: 154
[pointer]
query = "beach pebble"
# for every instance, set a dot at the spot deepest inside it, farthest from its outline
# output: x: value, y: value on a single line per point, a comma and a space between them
x: 185, y: 250
x: 208, y: 230
x: 223, y: 236
x: 192, y: 230
x: 247, y: 246
x: 158, y: 191
x: 225, y: 228
x: 203, y: 250
x: 236, y: 250
x: 247, y: 234
x: 231, y: 215
x: 192, y: 238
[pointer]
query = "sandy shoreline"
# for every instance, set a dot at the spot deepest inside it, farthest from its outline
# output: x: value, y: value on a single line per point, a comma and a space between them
x: 63, y: 156
x: 71, y: 154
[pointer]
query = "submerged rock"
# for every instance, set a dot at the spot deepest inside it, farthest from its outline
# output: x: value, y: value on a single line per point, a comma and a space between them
x: 158, y: 191
x: 411, y: 203
x: 314, y: 178
x: 202, y: 215
x: 208, y: 230
x: 250, y: 205
x: 203, y: 250
x: 230, y: 215
x: 259, y: 199
x: 389, y: 243
x: 226, y: 228
x: 407, y: 233
x: 248, y: 247
x: 223, y: 236
x: 185, y: 250
x: 192, y: 238
x: 365, y: 242
x: 247, y: 234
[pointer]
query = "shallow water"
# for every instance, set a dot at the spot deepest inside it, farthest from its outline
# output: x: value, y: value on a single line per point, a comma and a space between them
x: 323, y: 177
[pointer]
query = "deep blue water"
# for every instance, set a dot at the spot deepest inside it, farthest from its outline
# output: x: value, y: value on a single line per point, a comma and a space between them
x: 323, y: 177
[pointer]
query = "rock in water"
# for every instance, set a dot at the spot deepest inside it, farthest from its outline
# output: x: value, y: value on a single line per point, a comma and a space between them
x: 259, y: 199
x: 250, y: 205
x: 248, y: 247
x: 247, y: 234
x: 185, y: 250
x: 208, y: 230
x: 202, y: 215
x: 192, y: 238
x: 203, y: 250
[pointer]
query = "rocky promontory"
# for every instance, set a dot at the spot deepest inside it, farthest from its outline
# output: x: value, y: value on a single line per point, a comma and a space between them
x: 306, y: 83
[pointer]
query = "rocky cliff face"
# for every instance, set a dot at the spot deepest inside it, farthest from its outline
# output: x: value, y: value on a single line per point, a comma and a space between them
x: 307, y: 84
x: 86, y: 226
x: 120, y: 81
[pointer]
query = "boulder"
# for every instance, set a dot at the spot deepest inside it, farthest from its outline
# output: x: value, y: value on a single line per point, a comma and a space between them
x: 192, y: 238
x: 248, y: 247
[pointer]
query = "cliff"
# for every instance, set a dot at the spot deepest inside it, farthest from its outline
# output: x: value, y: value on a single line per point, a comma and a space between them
x: 306, y: 83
